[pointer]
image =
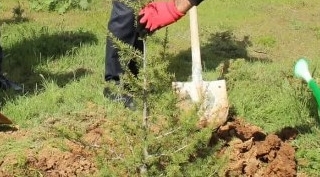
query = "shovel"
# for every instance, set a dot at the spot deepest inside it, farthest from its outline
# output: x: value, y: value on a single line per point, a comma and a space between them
x: 4, y: 119
x: 210, y: 95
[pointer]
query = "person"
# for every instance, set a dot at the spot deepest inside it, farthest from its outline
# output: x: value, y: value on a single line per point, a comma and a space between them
x: 122, y: 26
x: 157, y: 15
x: 152, y: 17
x: 5, y: 83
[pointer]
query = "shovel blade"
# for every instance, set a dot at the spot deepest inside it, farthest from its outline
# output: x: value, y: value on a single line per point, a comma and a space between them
x: 4, y: 119
x: 213, y: 100
x: 214, y: 108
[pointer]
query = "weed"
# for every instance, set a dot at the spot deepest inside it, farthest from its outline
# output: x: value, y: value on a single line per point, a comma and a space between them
x: 267, y: 41
x: 59, y: 5
x: 18, y: 13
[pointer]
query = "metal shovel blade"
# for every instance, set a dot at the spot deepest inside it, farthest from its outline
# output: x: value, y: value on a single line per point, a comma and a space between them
x: 214, y: 105
x: 4, y: 119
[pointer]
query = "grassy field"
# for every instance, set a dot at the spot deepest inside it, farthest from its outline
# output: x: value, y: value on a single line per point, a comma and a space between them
x: 59, y: 60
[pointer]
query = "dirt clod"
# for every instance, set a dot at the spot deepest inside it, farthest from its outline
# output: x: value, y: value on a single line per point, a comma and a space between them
x: 253, y: 153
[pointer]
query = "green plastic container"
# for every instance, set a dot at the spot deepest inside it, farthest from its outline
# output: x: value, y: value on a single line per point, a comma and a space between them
x: 301, y: 70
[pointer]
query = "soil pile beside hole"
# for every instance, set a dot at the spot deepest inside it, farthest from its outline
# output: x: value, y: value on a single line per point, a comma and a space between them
x: 253, y: 153
x: 54, y: 162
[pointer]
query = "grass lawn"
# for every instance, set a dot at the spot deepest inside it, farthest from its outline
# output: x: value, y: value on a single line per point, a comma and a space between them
x: 63, y: 125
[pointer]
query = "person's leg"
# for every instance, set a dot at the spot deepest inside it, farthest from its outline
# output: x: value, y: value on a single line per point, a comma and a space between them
x: 121, y: 25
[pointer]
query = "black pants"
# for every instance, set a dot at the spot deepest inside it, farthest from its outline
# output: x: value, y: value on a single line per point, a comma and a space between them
x: 121, y: 25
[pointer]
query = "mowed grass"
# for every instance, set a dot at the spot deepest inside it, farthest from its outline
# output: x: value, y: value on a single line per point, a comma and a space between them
x: 59, y: 59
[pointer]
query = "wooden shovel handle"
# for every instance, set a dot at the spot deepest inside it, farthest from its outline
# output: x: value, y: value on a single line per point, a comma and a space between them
x: 195, y: 46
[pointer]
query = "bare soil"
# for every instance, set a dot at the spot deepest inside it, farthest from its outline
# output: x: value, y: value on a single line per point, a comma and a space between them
x: 75, y: 159
x: 250, y: 152
x: 254, y: 153
x: 54, y: 162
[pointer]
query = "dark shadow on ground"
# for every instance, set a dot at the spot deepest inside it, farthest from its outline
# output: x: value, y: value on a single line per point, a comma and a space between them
x: 220, y: 49
x: 21, y: 59
x: 285, y: 132
x: 7, y: 128
x: 64, y: 78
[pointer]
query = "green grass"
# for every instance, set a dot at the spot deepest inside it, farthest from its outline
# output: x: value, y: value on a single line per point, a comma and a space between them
x: 59, y: 59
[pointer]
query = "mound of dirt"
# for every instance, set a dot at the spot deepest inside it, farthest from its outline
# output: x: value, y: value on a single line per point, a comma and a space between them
x: 54, y: 162
x: 65, y: 159
x: 253, y: 153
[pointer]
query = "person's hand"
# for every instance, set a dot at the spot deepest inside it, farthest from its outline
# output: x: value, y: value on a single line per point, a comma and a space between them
x: 156, y: 15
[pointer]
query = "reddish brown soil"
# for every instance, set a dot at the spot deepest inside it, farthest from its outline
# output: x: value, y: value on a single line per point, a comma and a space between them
x: 253, y: 153
x: 54, y: 162
x: 78, y: 158
x: 250, y: 151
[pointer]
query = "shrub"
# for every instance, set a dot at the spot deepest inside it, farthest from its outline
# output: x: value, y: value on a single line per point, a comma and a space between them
x: 60, y: 6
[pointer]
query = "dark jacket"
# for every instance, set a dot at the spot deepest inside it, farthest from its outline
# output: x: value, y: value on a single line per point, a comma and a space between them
x: 195, y: 2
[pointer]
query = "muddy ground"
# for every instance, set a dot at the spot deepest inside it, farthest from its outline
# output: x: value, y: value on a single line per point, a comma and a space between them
x: 250, y: 151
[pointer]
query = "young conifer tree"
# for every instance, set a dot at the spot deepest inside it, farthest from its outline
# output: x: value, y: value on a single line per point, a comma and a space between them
x: 167, y: 141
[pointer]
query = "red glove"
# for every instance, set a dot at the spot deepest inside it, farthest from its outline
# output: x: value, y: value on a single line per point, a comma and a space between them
x: 159, y: 14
